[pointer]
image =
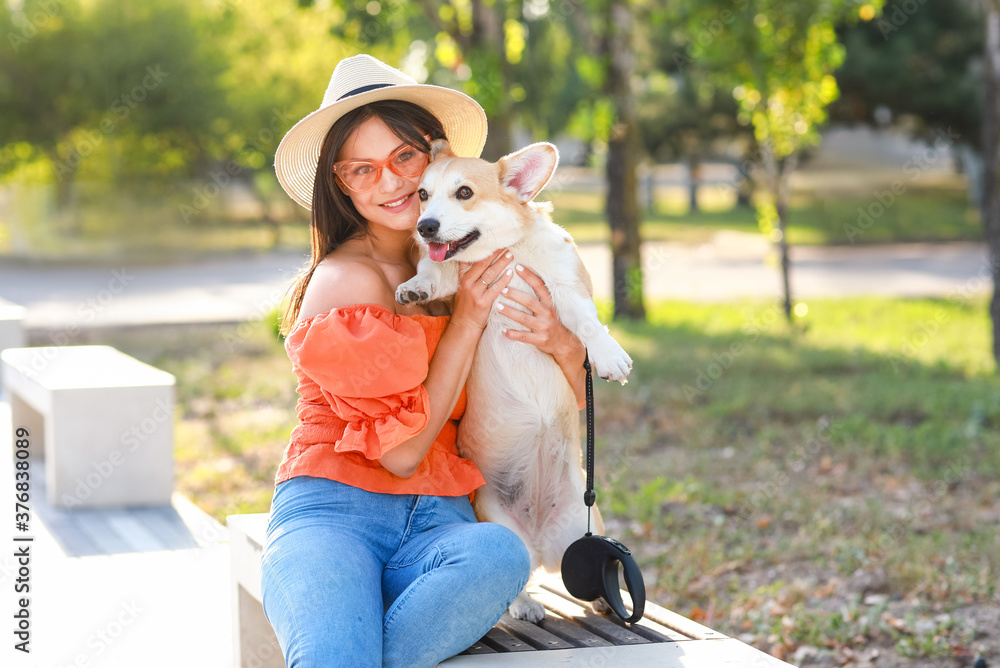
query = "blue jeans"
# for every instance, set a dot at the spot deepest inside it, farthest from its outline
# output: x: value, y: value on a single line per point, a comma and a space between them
x: 355, y: 578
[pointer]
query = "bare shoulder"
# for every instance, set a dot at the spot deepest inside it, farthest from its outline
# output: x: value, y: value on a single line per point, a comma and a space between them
x: 344, y: 280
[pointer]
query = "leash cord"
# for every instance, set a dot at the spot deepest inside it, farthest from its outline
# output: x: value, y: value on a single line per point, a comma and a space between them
x: 589, y: 496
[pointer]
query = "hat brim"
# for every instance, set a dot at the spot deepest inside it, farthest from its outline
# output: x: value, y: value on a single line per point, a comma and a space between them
x: 297, y: 157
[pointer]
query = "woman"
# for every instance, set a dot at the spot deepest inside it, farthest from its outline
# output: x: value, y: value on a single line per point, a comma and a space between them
x: 373, y: 554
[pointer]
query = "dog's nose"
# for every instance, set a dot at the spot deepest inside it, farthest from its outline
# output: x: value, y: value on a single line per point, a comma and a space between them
x: 428, y: 228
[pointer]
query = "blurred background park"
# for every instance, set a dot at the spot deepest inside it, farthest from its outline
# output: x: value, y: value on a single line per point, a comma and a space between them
x: 810, y: 468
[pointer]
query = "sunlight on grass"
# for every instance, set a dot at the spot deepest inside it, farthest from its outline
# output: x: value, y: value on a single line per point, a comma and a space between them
x: 909, y: 332
x: 922, y: 215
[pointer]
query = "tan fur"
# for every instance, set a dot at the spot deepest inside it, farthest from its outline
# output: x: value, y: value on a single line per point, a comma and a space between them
x: 521, y: 425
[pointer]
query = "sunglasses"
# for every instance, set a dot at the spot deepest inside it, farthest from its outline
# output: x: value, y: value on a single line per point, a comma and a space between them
x: 362, y: 175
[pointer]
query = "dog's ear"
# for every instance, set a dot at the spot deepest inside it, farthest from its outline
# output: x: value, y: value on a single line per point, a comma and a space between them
x: 528, y: 170
x: 440, y: 147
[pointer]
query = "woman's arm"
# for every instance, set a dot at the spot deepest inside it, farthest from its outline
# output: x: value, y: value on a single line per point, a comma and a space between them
x: 352, y: 282
x: 452, y: 360
x: 547, y: 333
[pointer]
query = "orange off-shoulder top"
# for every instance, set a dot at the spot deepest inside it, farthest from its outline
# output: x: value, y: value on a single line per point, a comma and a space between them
x: 361, y: 371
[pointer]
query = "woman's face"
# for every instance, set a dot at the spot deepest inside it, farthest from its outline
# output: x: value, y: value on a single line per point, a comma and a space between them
x: 392, y: 202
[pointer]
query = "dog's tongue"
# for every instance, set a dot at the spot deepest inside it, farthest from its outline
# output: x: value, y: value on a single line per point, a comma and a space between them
x: 437, y: 251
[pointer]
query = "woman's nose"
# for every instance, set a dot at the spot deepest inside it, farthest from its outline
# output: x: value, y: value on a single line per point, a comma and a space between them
x: 389, y: 181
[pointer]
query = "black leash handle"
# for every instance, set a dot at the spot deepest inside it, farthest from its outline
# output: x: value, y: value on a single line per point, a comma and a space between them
x: 590, y: 564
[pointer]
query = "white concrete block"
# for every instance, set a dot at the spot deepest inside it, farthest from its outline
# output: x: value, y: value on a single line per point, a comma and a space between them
x: 255, y: 644
x: 12, y: 333
x: 107, y: 423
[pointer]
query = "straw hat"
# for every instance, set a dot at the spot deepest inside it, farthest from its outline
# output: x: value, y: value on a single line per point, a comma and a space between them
x: 356, y: 81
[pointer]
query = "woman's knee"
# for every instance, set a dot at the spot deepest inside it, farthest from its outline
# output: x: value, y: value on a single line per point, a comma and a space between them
x: 506, y: 553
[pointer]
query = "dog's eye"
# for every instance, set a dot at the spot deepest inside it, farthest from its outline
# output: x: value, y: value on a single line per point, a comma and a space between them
x: 465, y: 192
x: 422, y: 194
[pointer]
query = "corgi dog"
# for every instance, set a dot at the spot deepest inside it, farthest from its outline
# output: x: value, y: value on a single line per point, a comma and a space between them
x: 521, y: 424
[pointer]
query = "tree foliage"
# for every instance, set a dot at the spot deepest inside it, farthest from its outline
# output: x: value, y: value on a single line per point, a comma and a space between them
x: 778, y: 56
x: 923, y: 64
x: 79, y: 79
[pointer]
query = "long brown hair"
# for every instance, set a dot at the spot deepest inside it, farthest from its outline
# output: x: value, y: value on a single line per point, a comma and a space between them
x: 334, y: 217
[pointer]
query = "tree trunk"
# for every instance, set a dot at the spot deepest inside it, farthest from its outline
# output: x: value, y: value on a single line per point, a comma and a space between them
x: 776, y: 172
x: 64, y: 169
x: 694, y: 169
x: 623, y: 149
x: 649, y: 189
x: 499, y: 140
x: 991, y: 160
x: 781, y: 205
x: 782, y: 208
x: 744, y: 177
x: 488, y: 36
x: 744, y: 192
x: 272, y: 224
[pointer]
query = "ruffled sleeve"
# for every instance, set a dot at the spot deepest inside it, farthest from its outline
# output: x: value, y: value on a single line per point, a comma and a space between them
x: 370, y: 365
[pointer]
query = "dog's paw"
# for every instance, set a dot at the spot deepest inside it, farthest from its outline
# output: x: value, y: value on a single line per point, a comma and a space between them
x: 414, y: 291
x: 601, y: 607
x: 524, y: 607
x: 610, y: 361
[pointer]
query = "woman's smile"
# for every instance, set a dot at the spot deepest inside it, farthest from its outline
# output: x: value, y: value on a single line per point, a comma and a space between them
x: 399, y: 204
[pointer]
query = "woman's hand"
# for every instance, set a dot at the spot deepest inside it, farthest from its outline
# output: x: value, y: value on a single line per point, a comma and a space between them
x: 479, y: 284
x: 545, y: 331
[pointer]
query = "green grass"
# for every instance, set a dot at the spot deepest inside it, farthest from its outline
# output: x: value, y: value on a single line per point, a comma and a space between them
x: 784, y: 461
x: 936, y: 214
x: 759, y: 471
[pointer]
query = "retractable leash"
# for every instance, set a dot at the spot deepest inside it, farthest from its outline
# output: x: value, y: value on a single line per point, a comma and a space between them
x: 590, y: 564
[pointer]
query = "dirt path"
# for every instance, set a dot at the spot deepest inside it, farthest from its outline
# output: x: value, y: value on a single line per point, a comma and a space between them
x: 734, y: 265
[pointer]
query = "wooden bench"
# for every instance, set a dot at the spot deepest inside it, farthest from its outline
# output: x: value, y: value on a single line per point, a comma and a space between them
x: 570, y: 635
x: 105, y: 420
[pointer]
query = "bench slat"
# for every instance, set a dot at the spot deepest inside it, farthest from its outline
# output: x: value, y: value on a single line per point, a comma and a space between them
x: 607, y: 629
x: 726, y: 653
x: 571, y: 633
x: 587, y: 619
x: 583, y: 615
x: 504, y: 642
x: 479, y: 648
x: 658, y: 624
x: 651, y: 630
x: 681, y: 624
x: 532, y: 633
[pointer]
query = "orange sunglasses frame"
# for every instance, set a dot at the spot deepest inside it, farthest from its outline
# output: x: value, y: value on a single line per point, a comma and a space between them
x: 378, y: 166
